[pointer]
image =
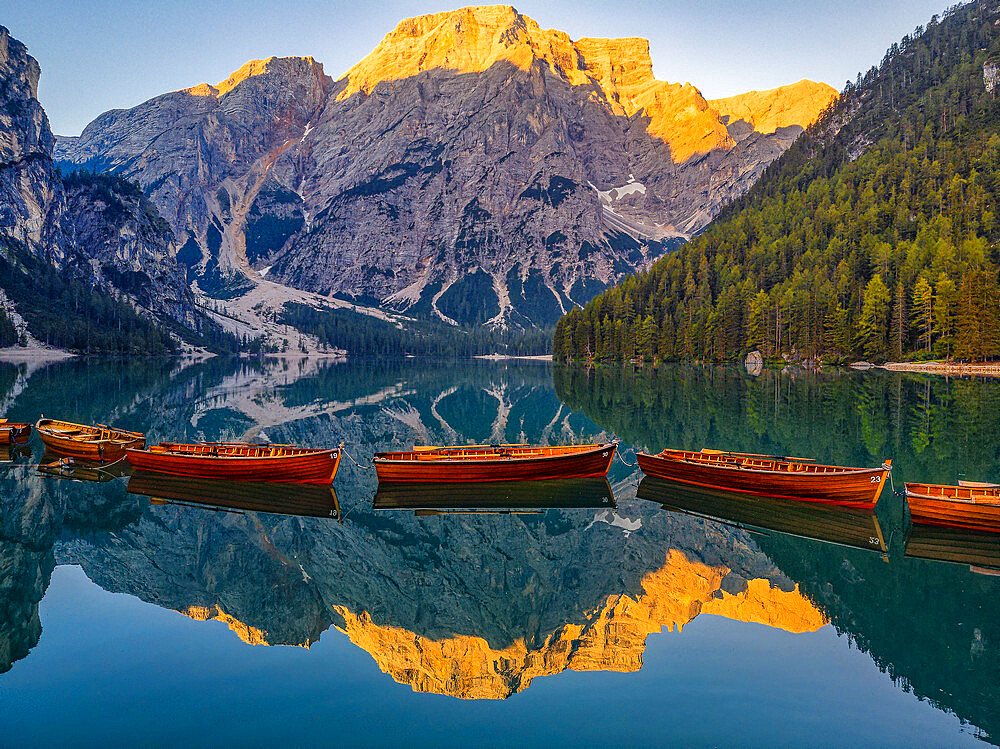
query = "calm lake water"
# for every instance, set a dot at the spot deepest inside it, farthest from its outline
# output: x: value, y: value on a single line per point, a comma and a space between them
x: 578, y: 615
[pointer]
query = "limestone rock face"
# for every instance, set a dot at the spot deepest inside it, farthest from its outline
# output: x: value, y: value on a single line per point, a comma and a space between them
x: 30, y: 199
x: 123, y: 245
x: 991, y: 74
x: 203, y: 154
x: 794, y: 105
x: 474, y: 168
x: 98, y: 229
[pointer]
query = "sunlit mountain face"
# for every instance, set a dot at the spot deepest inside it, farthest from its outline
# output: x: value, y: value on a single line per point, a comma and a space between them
x: 473, y: 168
x: 477, y: 595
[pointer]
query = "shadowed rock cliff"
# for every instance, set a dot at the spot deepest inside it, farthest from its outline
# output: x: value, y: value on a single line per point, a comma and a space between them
x: 100, y: 232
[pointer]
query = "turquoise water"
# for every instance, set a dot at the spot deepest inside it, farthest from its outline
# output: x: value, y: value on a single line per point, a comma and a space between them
x: 636, y: 616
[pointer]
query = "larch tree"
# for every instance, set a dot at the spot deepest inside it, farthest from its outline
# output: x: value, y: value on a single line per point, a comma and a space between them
x: 923, y: 311
x: 873, y: 324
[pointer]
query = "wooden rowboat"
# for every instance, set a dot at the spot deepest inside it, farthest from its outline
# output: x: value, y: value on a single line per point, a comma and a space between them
x: 978, y: 484
x: 239, y: 461
x: 844, y: 526
x: 494, y: 497
x: 100, y: 443
x: 972, y: 507
x: 14, y: 434
x: 495, y: 463
x: 310, y: 500
x: 770, y: 476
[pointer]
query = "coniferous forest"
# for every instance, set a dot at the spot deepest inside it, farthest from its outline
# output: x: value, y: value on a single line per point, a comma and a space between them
x: 874, y: 236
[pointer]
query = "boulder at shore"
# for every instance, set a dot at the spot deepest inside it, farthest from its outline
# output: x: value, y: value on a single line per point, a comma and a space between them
x: 755, y: 363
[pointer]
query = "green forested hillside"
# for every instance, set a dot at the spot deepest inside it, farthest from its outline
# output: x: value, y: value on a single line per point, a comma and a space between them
x: 362, y: 335
x: 64, y: 311
x: 876, y: 235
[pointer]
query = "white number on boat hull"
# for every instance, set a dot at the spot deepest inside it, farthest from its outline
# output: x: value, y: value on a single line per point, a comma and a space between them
x: 876, y: 479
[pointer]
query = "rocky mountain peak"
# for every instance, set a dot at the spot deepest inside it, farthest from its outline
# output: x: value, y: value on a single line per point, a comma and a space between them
x: 617, y: 63
x: 468, y: 40
x: 795, y: 104
x: 98, y: 230
x: 272, y: 65
x: 474, y: 168
x: 24, y: 128
x: 29, y: 194
x: 473, y: 39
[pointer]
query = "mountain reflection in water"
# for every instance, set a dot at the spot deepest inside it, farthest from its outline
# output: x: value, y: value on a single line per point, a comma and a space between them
x: 475, y: 592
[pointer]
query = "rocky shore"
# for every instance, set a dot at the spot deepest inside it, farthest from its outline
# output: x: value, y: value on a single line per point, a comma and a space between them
x: 951, y: 369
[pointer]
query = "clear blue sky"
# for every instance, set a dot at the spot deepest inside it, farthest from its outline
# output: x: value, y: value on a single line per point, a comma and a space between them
x: 102, y: 54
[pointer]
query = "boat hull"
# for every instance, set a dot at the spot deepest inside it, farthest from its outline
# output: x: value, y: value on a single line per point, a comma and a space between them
x: 952, y: 513
x: 94, y: 443
x: 592, y: 463
x: 98, y: 452
x: 849, y: 488
x: 14, y: 434
x: 314, y: 467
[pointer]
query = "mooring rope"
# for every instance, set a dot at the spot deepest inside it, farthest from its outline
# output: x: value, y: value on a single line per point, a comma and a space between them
x: 892, y: 485
x: 356, y: 463
x: 624, y: 462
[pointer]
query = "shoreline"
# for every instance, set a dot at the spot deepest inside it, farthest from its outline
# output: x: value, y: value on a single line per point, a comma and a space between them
x: 30, y: 355
x: 948, y: 369
x: 506, y: 357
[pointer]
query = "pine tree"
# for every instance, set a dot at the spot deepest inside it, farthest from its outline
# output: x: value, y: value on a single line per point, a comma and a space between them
x: 837, y: 330
x: 646, y: 345
x: 900, y: 323
x: 559, y: 351
x: 945, y: 296
x: 873, y: 324
x: 976, y: 321
x: 757, y: 321
x: 923, y: 311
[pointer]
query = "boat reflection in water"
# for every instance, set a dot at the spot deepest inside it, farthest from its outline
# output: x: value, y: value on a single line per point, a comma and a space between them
x: 58, y: 466
x: 978, y: 549
x: 846, y: 526
x: 311, y: 500
x: 495, y: 497
x: 13, y: 453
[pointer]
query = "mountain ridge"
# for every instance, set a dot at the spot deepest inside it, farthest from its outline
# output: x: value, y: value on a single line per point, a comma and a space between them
x: 466, y: 178
x: 85, y: 262
x: 874, y: 236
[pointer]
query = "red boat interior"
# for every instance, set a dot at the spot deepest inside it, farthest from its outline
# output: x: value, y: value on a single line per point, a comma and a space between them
x: 486, y: 452
x: 967, y: 494
x: 753, y: 462
x: 230, y: 450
